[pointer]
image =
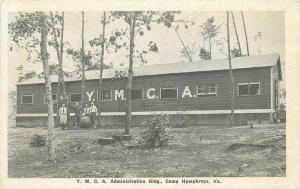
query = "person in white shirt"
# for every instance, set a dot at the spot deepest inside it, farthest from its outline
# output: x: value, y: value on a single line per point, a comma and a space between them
x: 63, y: 116
x: 93, y: 113
x: 86, y: 110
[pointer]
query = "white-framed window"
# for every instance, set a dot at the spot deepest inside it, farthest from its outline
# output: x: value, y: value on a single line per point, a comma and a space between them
x: 106, y: 95
x: 27, y: 99
x: 54, y: 99
x: 208, y: 89
x: 249, y: 89
x: 136, y: 94
x: 75, y: 97
x: 169, y: 93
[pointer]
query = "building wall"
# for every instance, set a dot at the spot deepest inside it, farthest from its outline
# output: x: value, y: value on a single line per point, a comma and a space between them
x: 221, y: 102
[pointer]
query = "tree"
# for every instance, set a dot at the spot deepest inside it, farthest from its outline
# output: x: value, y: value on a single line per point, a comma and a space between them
x: 83, y: 59
x: 235, y: 53
x: 101, y: 68
x: 209, y: 32
x: 59, y: 53
x: 186, y: 50
x: 230, y: 70
x: 236, y: 35
x: 245, y: 31
x: 204, y: 55
x: 138, y: 21
x: 101, y: 41
x: 26, y: 28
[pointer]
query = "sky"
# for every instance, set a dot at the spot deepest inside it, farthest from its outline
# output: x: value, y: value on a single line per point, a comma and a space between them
x: 270, y: 24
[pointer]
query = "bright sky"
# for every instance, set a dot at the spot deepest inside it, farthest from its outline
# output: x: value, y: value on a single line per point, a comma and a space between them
x: 270, y: 24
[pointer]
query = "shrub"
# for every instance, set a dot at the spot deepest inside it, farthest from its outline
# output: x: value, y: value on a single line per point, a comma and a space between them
x: 156, y: 135
x: 38, y: 140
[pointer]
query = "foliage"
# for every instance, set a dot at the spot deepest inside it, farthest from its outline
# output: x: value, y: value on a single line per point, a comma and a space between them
x: 142, y: 20
x: 28, y: 75
x: 96, y: 55
x: 236, y: 53
x: 157, y: 134
x: 77, y: 58
x: 25, y: 34
x: 25, y: 26
x: 38, y: 140
x: 95, y: 66
x: 209, y: 31
x: 204, y: 54
x: 28, y: 25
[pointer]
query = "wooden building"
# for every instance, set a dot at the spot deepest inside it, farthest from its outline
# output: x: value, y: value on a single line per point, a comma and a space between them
x: 202, y: 90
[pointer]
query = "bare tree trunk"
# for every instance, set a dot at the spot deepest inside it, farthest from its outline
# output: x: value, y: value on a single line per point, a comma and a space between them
x: 44, y: 55
x: 231, y: 74
x: 60, y: 69
x: 130, y: 75
x: 83, y: 61
x: 58, y: 100
x: 209, y: 40
x: 62, y: 57
x: 236, y: 34
x: 101, y: 69
x: 247, y: 44
x: 185, y: 49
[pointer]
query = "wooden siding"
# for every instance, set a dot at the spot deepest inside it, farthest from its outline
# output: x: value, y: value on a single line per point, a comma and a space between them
x: 220, y: 102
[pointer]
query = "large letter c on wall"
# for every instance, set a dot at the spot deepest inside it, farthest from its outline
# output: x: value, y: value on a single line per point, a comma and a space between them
x: 151, y: 95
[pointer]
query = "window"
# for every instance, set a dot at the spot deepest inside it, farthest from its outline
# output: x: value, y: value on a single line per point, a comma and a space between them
x: 106, y: 95
x: 27, y: 99
x: 204, y: 90
x: 53, y: 98
x: 75, y: 97
x: 136, y: 94
x: 168, y: 93
x: 249, y: 89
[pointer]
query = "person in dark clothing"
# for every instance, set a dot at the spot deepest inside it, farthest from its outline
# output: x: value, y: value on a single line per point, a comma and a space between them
x: 77, y: 110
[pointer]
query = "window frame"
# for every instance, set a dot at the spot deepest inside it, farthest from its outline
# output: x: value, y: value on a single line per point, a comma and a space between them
x: 54, y: 101
x: 26, y: 95
x: 161, y: 88
x: 248, y: 84
x: 216, y: 90
x: 102, y: 95
x: 71, y: 97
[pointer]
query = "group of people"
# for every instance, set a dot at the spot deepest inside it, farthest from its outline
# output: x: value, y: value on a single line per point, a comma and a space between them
x: 89, y: 111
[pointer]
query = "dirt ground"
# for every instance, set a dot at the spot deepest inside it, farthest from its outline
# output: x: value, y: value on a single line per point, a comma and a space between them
x: 195, y: 152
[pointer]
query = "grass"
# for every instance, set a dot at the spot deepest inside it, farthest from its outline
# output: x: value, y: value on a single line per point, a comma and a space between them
x: 196, y: 152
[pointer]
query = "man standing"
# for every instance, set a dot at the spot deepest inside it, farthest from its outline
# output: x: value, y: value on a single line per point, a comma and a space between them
x: 93, y: 114
x: 86, y: 110
x: 63, y: 116
x: 77, y: 111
